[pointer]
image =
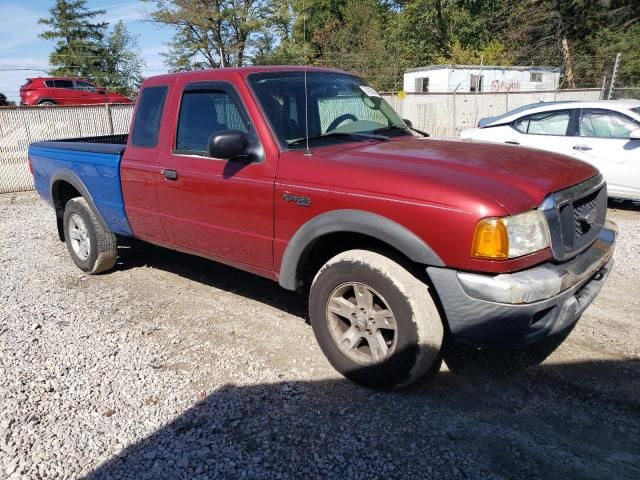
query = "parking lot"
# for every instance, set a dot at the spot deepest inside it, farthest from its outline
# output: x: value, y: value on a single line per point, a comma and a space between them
x: 172, y: 366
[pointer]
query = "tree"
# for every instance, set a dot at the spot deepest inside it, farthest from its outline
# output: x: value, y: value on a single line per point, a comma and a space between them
x: 79, y: 48
x: 210, y: 33
x: 122, y: 65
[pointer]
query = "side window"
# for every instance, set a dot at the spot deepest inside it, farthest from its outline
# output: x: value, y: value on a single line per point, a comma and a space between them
x: 85, y: 87
x: 47, y: 83
x: 63, y: 84
x: 146, y: 127
x: 522, y: 124
x: 605, y: 124
x: 203, y: 113
x: 544, y: 123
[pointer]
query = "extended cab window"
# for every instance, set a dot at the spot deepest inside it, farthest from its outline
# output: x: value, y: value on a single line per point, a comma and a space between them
x: 544, y: 123
x: 146, y: 127
x: 605, y: 124
x: 203, y: 113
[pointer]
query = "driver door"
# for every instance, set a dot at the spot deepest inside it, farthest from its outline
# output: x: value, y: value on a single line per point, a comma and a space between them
x: 214, y: 207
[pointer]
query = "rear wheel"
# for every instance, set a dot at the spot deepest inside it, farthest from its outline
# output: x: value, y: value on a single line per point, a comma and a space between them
x: 92, y: 248
x: 375, y: 321
x: 47, y: 102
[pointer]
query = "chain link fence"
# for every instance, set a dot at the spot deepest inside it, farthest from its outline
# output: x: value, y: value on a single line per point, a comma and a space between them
x: 440, y: 114
x: 20, y: 126
x: 447, y: 114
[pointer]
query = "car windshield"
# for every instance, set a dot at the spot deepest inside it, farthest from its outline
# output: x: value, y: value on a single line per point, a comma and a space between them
x: 340, y: 108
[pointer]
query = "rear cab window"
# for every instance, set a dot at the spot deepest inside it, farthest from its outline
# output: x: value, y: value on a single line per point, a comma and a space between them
x: 146, y: 126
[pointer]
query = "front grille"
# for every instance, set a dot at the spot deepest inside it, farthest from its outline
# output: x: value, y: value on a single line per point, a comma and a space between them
x: 576, y: 216
x: 581, y: 210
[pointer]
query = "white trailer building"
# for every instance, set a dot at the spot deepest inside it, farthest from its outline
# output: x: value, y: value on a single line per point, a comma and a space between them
x: 472, y: 78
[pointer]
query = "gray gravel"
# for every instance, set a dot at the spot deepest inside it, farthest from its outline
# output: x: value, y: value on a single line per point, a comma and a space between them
x: 176, y: 367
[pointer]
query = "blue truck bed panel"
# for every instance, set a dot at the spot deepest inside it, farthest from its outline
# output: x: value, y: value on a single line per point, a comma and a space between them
x: 98, y: 168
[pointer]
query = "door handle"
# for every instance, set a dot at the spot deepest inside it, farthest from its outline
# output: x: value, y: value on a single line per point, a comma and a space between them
x: 170, y: 174
x: 512, y: 142
x: 582, y: 148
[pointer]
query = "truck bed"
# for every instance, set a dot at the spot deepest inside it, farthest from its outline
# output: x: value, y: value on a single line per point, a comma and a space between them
x: 94, y: 162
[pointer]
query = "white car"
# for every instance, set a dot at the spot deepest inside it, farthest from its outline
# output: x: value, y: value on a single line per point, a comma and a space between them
x: 605, y: 134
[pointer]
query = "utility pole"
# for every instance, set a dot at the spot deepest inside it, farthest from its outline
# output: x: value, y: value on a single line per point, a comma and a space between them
x: 614, y: 75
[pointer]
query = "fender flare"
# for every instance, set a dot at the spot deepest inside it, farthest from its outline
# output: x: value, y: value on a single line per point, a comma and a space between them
x: 356, y: 221
x: 66, y: 175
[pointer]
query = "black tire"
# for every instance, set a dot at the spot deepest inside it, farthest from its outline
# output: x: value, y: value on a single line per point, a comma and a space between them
x: 102, y: 252
x: 419, y: 330
x: 46, y: 103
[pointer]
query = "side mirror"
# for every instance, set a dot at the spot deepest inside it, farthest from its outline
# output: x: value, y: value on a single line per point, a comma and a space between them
x: 101, y: 90
x: 635, y: 134
x: 408, y: 122
x: 228, y: 144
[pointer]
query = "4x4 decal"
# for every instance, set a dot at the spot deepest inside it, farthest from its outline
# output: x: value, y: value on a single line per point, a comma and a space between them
x: 299, y: 200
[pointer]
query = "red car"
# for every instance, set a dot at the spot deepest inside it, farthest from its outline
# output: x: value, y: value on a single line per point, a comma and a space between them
x: 66, y: 91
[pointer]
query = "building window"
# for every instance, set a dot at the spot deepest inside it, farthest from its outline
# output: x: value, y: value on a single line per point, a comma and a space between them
x: 535, y: 77
x: 475, y: 83
x: 422, y: 85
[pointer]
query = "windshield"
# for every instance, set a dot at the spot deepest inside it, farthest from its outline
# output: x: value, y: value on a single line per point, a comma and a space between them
x: 337, y: 105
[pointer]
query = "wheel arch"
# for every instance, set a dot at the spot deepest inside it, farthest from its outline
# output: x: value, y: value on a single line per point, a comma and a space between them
x: 66, y: 185
x: 335, y: 231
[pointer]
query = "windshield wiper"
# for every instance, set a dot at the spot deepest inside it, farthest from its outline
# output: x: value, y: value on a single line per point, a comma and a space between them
x: 364, y: 136
x: 401, y: 128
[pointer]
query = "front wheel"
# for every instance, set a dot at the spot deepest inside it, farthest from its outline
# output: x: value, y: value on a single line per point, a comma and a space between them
x: 375, y: 321
x: 92, y: 248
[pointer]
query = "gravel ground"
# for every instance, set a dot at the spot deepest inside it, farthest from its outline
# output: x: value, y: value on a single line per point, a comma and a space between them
x: 176, y: 367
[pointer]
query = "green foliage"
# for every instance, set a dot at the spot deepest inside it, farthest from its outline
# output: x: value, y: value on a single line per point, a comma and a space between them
x: 84, y: 48
x: 211, y: 33
x: 122, y: 66
x: 79, y: 47
x: 610, y: 41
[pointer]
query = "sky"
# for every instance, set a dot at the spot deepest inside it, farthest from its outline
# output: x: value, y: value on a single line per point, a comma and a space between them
x: 22, y: 49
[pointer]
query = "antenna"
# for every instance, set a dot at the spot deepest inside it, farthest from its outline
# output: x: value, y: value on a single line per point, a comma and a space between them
x: 306, y: 96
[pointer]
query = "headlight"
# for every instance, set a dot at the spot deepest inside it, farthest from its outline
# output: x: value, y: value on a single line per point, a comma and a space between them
x: 510, y: 237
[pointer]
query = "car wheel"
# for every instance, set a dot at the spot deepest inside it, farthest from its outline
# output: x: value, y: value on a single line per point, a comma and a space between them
x: 92, y: 248
x: 46, y: 103
x: 375, y: 322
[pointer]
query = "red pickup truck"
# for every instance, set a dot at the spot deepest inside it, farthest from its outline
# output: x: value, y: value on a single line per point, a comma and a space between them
x: 308, y: 177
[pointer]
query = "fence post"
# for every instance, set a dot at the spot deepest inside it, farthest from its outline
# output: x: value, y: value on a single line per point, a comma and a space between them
x: 109, y: 118
x: 453, y: 118
x: 614, y: 74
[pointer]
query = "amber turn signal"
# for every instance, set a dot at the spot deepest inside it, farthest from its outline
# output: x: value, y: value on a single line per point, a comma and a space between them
x: 490, y: 240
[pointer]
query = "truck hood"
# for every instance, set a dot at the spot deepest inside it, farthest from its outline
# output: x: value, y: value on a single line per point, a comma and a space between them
x: 518, y: 178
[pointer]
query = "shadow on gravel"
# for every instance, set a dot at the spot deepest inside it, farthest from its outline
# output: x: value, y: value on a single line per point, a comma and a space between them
x: 577, y: 420
x: 488, y: 415
x: 134, y: 254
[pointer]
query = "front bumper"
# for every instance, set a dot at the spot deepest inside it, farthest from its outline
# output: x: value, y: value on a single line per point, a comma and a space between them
x: 519, y: 308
